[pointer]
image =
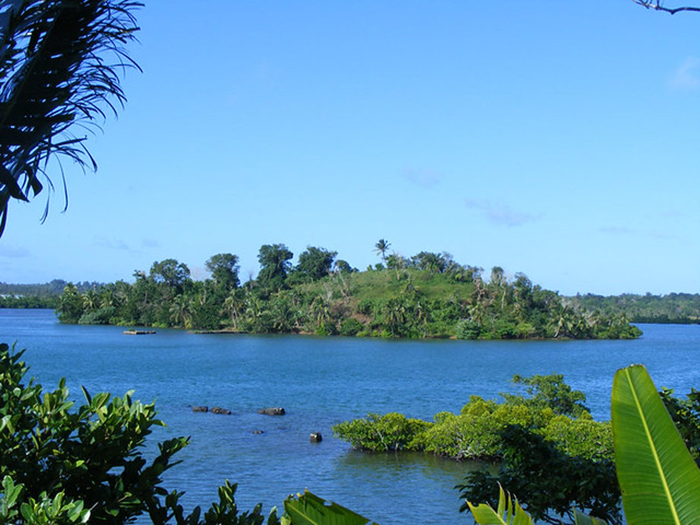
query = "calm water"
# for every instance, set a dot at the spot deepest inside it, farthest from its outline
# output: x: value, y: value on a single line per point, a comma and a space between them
x: 320, y: 382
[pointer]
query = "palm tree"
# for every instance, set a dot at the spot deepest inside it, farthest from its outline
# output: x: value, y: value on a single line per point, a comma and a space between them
x: 181, y: 311
x: 90, y: 299
x: 234, y: 305
x: 381, y: 248
x: 320, y: 310
x: 395, y: 316
x: 56, y: 74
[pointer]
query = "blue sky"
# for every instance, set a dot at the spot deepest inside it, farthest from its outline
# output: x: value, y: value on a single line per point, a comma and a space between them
x: 558, y: 139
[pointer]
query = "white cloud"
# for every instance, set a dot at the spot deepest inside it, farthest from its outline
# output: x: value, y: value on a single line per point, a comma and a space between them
x: 687, y: 76
x: 501, y: 214
x: 425, y: 178
x: 112, y: 244
x: 150, y: 243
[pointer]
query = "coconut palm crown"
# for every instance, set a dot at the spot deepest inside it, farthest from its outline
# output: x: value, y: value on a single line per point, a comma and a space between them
x: 60, y: 66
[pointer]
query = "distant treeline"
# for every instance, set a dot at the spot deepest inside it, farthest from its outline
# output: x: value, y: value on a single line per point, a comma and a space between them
x: 676, y: 308
x: 38, y: 295
x: 428, y: 295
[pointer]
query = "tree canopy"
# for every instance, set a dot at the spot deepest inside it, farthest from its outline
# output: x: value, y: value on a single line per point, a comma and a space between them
x: 274, y: 264
x: 429, y: 295
x: 315, y: 263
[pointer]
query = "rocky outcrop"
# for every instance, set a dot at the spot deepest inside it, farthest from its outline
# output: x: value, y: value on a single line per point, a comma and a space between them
x: 199, y: 408
x: 316, y: 437
x: 220, y: 411
x: 272, y: 411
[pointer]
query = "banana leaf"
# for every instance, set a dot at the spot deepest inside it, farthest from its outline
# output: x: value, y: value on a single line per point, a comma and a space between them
x: 309, y: 509
x: 509, y: 512
x: 584, y: 519
x: 659, y: 480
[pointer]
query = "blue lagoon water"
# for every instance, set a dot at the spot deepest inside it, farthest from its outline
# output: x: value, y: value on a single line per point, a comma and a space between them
x: 321, y: 382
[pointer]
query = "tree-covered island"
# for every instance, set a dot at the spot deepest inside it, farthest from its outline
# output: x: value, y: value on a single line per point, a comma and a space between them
x: 429, y: 295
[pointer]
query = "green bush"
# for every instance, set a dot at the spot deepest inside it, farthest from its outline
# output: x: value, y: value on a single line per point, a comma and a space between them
x: 549, y: 480
x: 57, y: 459
x: 468, y: 329
x: 350, y: 327
x: 101, y: 316
x: 376, y: 433
x: 476, y: 432
x: 582, y: 437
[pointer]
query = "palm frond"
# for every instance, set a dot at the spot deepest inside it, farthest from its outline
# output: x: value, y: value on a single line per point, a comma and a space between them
x: 55, y: 77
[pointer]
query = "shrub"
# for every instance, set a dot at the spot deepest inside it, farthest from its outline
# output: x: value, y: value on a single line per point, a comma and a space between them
x: 350, y: 327
x: 468, y: 329
x: 57, y: 461
x: 101, y: 316
x: 551, y: 481
x: 375, y: 433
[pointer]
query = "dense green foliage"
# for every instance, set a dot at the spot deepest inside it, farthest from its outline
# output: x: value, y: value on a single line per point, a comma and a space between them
x: 429, y: 295
x: 657, y: 474
x: 28, y: 301
x: 45, y: 295
x: 551, y: 409
x: 545, y: 445
x: 551, y: 481
x: 685, y: 414
x: 679, y: 308
x: 62, y: 464
x: 59, y: 464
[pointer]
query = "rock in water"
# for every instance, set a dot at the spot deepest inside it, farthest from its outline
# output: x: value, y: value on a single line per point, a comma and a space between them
x: 272, y: 411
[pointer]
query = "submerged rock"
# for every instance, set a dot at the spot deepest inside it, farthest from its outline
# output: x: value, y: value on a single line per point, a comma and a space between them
x: 198, y: 408
x: 272, y: 411
x: 220, y: 411
x: 316, y: 437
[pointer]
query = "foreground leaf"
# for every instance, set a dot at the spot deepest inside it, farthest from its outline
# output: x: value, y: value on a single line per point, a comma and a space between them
x: 509, y: 512
x: 584, y: 519
x: 309, y: 509
x: 659, y: 480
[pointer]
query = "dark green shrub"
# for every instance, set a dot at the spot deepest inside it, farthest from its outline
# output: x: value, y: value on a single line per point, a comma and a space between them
x: 101, y: 316
x: 390, y: 432
x: 350, y: 327
x: 550, y: 481
x: 57, y: 460
x: 468, y: 329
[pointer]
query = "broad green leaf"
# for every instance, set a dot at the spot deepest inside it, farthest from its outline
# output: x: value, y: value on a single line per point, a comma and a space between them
x: 659, y: 480
x: 584, y: 519
x: 309, y: 509
x: 11, y: 491
x: 509, y: 512
x: 6, y: 422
